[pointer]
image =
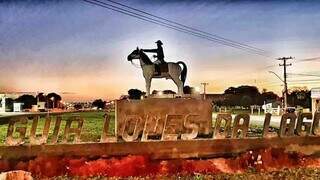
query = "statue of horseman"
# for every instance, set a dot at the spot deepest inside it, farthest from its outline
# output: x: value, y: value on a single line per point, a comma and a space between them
x: 159, y: 56
x: 159, y: 68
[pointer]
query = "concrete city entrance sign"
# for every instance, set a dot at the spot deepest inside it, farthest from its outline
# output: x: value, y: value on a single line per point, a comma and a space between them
x: 165, y: 118
x: 165, y: 128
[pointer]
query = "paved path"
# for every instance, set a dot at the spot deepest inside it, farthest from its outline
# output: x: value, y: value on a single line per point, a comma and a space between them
x: 12, y: 113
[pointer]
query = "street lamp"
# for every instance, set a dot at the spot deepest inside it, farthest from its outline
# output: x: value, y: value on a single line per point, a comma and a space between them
x: 160, y: 93
x: 52, y: 99
x: 204, y: 89
x: 276, y: 75
x: 284, y: 92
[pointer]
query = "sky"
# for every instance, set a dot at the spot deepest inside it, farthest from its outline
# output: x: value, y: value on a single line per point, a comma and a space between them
x: 80, y: 50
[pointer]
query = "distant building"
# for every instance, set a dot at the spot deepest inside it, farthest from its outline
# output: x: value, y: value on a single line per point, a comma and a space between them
x: 17, y: 107
x: 41, y: 106
x: 315, y: 96
x: 272, y: 107
x: 4, y: 97
x: 215, y: 97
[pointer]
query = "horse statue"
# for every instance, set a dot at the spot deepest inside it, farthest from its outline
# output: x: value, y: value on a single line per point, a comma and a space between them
x: 172, y: 71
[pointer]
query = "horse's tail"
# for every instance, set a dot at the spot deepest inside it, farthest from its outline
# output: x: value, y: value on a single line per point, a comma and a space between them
x: 183, y: 72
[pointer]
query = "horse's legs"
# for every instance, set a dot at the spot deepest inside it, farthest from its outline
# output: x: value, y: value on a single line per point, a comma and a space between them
x: 148, y: 85
x: 174, y: 72
x: 179, y: 84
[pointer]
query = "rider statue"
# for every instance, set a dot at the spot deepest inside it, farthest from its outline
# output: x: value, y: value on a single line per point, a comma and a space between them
x: 159, y: 56
x: 177, y: 71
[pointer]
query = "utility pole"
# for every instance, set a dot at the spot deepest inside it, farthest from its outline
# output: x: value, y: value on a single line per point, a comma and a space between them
x: 285, y: 93
x: 204, y: 89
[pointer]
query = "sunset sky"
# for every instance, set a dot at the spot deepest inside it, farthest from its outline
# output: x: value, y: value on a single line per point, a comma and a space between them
x: 76, y: 47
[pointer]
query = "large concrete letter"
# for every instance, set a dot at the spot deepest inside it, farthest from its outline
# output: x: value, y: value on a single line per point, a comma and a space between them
x: 151, y: 127
x: 190, y: 126
x: 105, y: 137
x: 33, y: 135
x: 128, y: 123
x: 21, y: 130
x: 240, y: 130
x: 315, y: 124
x: 76, y: 131
x: 227, y: 126
x: 266, y: 126
x: 303, y: 128
x: 56, y: 129
x: 287, y: 129
x: 172, y: 127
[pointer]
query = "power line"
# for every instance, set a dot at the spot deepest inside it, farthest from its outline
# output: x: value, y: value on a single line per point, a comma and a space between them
x: 155, y: 21
x: 266, y: 67
x: 289, y: 82
x: 257, y: 70
x: 145, y: 18
x: 303, y: 74
x: 309, y: 83
x: 188, y: 27
x: 305, y: 80
x: 308, y: 59
x: 298, y: 81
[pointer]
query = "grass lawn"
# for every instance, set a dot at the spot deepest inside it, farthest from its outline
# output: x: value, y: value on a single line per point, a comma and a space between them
x: 91, y: 130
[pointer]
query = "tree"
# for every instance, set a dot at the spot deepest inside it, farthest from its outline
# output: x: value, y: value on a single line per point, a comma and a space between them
x: 264, y: 90
x: 248, y: 90
x: 232, y: 100
x: 246, y: 96
x: 242, y: 96
x: 99, y: 103
x: 187, y: 90
x: 300, y: 97
x: 134, y: 94
x: 77, y: 106
x: 267, y: 97
x: 154, y: 92
x: 41, y: 97
x: 9, y: 104
x: 27, y: 100
x: 53, y: 99
x: 231, y: 90
x: 246, y: 101
x: 169, y: 92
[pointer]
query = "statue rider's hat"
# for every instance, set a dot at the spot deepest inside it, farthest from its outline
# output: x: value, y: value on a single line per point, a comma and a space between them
x: 159, y: 42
